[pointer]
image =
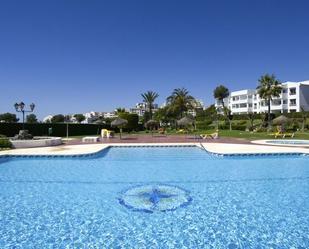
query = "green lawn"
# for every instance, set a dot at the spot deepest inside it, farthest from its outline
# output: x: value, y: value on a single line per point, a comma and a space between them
x: 257, y: 135
x: 222, y: 133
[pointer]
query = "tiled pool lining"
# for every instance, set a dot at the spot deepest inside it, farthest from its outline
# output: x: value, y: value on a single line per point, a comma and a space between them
x: 295, y: 143
x: 200, y: 146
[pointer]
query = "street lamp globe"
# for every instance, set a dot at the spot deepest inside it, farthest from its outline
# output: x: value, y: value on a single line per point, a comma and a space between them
x: 16, y: 106
x: 22, y: 105
x: 32, y: 106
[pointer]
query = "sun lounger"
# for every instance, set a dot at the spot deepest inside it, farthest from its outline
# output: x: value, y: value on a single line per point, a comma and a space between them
x: 288, y: 135
x: 90, y: 139
x: 107, y: 133
x: 214, y: 135
x: 281, y: 133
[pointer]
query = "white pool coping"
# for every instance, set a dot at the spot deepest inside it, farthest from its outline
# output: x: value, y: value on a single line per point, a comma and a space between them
x: 217, y: 148
x: 228, y: 149
x: 265, y: 142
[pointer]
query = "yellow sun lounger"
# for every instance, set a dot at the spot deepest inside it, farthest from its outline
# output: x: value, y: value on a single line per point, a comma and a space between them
x: 181, y: 131
x: 283, y: 134
x: 107, y: 133
x: 214, y: 135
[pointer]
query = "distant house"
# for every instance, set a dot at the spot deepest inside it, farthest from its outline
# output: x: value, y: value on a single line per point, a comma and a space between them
x: 47, y: 119
x: 110, y: 115
x: 141, y: 108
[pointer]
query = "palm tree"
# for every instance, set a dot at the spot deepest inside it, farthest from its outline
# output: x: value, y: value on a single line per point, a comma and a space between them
x: 120, y: 110
x: 220, y: 93
x: 149, y: 98
x: 180, y: 101
x: 269, y: 87
x: 304, y: 116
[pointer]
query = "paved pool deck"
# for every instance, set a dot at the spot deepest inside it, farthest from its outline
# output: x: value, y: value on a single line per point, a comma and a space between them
x: 213, y: 147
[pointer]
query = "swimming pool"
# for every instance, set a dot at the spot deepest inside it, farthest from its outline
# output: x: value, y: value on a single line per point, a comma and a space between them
x: 284, y: 142
x: 296, y: 142
x: 154, y: 197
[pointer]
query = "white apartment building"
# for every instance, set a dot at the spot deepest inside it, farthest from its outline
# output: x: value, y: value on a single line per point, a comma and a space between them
x: 294, y: 95
x: 141, y: 108
x: 94, y: 116
x: 110, y: 115
x: 198, y: 105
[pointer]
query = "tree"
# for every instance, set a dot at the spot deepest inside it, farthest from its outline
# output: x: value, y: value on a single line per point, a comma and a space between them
x: 132, y: 119
x: 251, y: 117
x: 164, y: 116
x: 180, y: 101
x: 228, y: 115
x: 149, y: 98
x: 304, y: 116
x: 268, y: 88
x: 120, y: 110
x: 31, y: 118
x: 79, y: 117
x: 59, y: 118
x: 220, y: 93
x: 8, y: 118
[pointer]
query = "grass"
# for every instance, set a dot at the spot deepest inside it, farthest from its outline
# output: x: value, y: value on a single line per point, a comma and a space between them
x: 222, y: 133
x: 257, y: 135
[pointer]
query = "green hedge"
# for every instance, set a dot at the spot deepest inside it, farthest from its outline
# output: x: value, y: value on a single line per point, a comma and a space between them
x: 58, y: 129
x: 5, y: 143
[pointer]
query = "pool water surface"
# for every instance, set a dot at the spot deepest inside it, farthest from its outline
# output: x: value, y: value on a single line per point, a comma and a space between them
x: 288, y: 142
x: 155, y: 197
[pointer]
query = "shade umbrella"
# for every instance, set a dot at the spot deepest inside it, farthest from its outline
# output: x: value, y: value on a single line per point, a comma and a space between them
x: 281, y: 120
x: 119, y: 123
x: 150, y: 124
x: 185, y: 121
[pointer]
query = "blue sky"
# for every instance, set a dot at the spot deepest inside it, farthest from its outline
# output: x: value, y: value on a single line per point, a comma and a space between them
x: 78, y: 56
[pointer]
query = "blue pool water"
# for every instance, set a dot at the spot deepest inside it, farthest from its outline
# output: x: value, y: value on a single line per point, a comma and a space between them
x: 171, y: 197
x: 294, y: 142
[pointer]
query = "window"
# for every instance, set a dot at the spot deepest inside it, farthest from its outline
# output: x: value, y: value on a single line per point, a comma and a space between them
x: 292, y: 102
x: 242, y: 97
x: 284, y: 101
x: 244, y: 105
x: 276, y: 102
x: 292, y: 91
x: 235, y: 98
x: 284, y: 90
x: 255, y: 106
x: 250, y: 105
x: 249, y: 96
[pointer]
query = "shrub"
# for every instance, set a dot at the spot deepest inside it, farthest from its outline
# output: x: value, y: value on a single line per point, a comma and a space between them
x: 5, y: 143
x: 239, y: 127
x: 203, y: 125
x: 243, y: 122
x: 58, y: 130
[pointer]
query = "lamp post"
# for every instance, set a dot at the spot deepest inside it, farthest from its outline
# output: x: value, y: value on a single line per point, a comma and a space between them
x: 21, y: 108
